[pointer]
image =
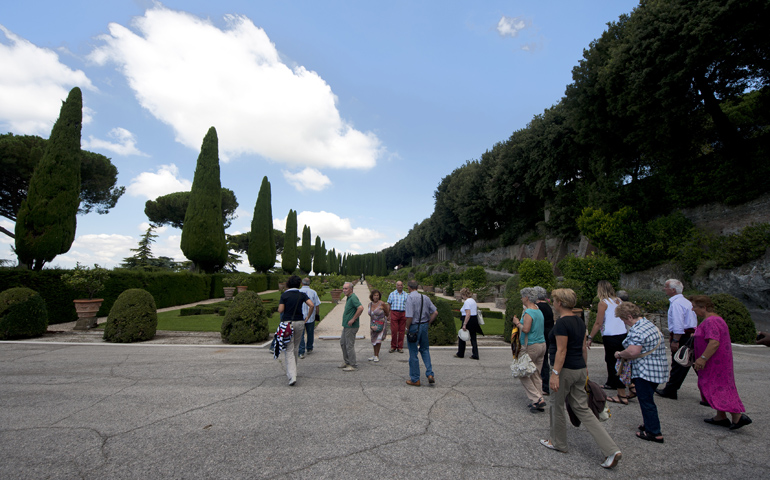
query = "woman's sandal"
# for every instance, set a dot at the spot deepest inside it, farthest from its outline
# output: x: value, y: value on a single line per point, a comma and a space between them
x: 631, y: 392
x: 619, y: 399
x: 645, y: 435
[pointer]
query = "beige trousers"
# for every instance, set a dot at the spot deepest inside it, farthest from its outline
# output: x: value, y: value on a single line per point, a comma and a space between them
x: 533, y: 384
x: 292, y: 350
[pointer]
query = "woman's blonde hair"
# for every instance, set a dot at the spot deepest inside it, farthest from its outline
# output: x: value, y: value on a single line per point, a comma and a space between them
x: 565, y: 296
x: 604, y: 289
x: 627, y: 308
x: 466, y: 292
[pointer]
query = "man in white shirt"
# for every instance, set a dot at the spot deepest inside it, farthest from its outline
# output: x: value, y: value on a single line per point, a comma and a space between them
x: 681, y: 325
x: 310, y: 324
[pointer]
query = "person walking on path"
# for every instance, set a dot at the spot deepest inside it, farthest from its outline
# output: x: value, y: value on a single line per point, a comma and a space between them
x: 290, y: 305
x: 353, y: 310
x: 568, y: 379
x: 469, y: 315
x: 397, y: 302
x: 681, y: 325
x: 420, y: 313
x: 545, y: 309
x: 378, y: 312
x: 310, y: 323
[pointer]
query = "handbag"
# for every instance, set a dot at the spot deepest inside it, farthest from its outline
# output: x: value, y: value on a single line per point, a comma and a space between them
x: 685, y: 356
x: 479, y: 317
x: 464, y: 335
x: 411, y: 337
x: 522, y: 365
x: 623, y: 366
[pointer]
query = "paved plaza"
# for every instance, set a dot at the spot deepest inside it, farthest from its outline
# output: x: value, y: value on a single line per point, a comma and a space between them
x: 94, y: 411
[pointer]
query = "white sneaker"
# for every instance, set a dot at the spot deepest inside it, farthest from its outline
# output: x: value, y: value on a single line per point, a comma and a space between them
x: 302, y: 355
x: 349, y: 368
x: 372, y: 359
x: 292, y: 382
x: 376, y: 359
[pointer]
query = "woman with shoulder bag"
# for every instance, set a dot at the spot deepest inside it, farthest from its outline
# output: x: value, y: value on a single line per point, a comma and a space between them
x: 379, y: 311
x: 533, y: 343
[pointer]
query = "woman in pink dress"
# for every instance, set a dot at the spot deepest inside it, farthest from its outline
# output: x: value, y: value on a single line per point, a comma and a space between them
x: 714, y: 365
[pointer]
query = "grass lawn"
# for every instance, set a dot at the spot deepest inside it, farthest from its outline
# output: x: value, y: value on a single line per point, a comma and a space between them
x: 492, y: 326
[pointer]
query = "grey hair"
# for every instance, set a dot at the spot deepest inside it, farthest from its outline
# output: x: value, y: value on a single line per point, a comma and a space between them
x: 529, y: 294
x: 412, y: 284
x: 675, y: 284
x: 305, y: 281
x: 347, y: 283
x: 623, y: 295
x: 541, y: 292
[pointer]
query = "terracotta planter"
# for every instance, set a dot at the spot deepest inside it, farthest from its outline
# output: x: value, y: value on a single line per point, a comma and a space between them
x: 87, y: 310
x: 242, y: 288
x: 282, y: 286
x: 229, y: 292
x: 427, y: 288
x: 336, y: 295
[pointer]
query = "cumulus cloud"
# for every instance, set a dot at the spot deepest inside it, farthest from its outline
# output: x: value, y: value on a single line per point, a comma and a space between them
x: 307, y: 179
x: 153, y: 185
x: 511, y: 26
x: 190, y: 74
x: 329, y: 226
x: 33, y: 84
x: 103, y: 249
x: 123, y: 143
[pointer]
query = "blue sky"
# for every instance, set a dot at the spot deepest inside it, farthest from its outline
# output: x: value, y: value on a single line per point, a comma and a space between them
x: 353, y: 110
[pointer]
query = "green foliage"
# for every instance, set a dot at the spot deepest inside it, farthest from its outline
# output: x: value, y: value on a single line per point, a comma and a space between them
x: 442, y: 331
x: 306, y: 251
x: 513, y: 307
x: 203, y: 234
x: 46, y: 222
x: 584, y: 294
x: 289, y: 254
x: 536, y: 272
x: 509, y: 265
x: 171, y: 209
x: 512, y: 284
x: 22, y: 314
x: 86, y: 281
x: 589, y: 271
x: 736, y: 315
x: 649, y: 301
x: 704, y: 251
x: 262, y: 241
x: 246, y: 320
x: 476, y: 276
x: 133, y: 317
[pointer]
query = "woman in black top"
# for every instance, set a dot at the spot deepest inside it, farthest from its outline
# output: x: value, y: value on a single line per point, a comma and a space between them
x: 545, y: 309
x: 290, y: 305
x: 568, y: 378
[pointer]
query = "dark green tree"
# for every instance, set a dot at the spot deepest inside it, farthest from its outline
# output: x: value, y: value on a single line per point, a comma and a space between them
x: 317, y: 257
x: 203, y: 234
x: 305, y: 254
x: 262, y: 240
x: 47, y: 219
x: 171, y: 209
x: 142, y: 257
x: 289, y: 254
x: 20, y: 154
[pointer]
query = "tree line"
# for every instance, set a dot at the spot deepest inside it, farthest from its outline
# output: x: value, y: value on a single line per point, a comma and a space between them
x: 667, y: 109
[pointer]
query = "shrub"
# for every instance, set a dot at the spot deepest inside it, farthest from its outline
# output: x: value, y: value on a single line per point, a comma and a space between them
x: 737, y: 317
x: 476, y: 276
x: 22, y: 314
x: 512, y: 284
x: 133, y: 317
x: 189, y: 311
x: 509, y: 264
x: 649, y: 301
x: 536, y: 272
x: 513, y: 307
x: 442, y: 331
x: 245, y: 320
x: 584, y: 295
x: 590, y: 270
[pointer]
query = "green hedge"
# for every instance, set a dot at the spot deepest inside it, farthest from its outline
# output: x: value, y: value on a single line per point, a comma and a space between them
x: 737, y: 317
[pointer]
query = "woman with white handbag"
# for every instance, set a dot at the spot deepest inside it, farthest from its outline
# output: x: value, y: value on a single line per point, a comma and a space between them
x: 471, y: 327
x: 532, y: 340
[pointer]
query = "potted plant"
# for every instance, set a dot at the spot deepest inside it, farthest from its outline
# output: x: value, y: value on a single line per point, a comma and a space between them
x: 229, y: 283
x: 87, y: 282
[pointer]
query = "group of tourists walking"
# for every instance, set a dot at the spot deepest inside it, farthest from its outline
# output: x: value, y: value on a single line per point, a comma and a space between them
x: 557, y: 342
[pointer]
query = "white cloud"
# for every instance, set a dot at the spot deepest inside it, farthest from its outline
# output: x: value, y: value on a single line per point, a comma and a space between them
x: 307, y: 179
x: 142, y: 227
x: 191, y: 75
x: 511, y: 26
x: 330, y: 227
x: 124, y: 143
x: 103, y: 249
x: 154, y: 185
x: 33, y: 84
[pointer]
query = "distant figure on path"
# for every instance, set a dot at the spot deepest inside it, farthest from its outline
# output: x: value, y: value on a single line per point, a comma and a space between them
x: 470, y: 319
x: 681, y: 325
x: 353, y: 310
x: 420, y: 313
x: 310, y: 323
x: 397, y: 302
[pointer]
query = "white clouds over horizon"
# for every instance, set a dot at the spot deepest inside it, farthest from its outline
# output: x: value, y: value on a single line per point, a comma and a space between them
x: 33, y: 84
x: 330, y: 227
x: 124, y: 143
x: 153, y: 185
x: 190, y: 75
x: 307, y: 179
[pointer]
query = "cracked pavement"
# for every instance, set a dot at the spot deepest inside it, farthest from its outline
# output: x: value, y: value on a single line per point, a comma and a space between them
x: 96, y: 411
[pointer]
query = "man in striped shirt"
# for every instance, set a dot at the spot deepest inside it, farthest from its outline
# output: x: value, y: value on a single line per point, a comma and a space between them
x: 397, y: 302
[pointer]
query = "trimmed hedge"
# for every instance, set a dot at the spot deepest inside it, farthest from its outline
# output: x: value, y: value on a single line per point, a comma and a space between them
x: 737, y: 317
x: 246, y: 320
x: 133, y: 317
x: 442, y: 331
x: 22, y: 314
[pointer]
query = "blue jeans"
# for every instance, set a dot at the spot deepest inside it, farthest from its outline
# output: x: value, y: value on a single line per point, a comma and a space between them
x: 645, y: 394
x: 309, y: 329
x: 422, y: 344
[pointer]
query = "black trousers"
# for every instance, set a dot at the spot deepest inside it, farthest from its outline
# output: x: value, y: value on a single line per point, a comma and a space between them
x: 678, y: 372
x: 612, y: 344
x: 545, y: 372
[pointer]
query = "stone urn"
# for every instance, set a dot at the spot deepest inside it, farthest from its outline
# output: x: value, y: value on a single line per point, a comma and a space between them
x: 229, y: 292
x: 87, y: 310
x: 439, y: 290
x: 242, y: 288
x: 336, y: 294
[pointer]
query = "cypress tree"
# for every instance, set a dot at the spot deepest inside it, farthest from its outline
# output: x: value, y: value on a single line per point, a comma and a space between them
x: 203, y: 233
x: 289, y: 254
x: 262, y: 241
x: 317, y: 257
x: 47, y: 219
x: 306, y: 256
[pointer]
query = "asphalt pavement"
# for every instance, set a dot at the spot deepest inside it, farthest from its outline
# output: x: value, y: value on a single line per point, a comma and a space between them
x: 99, y: 411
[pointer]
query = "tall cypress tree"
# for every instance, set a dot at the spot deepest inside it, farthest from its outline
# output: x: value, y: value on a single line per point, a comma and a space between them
x: 203, y: 232
x: 306, y: 252
x: 289, y: 254
x: 317, y: 257
x: 262, y: 241
x: 47, y: 219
